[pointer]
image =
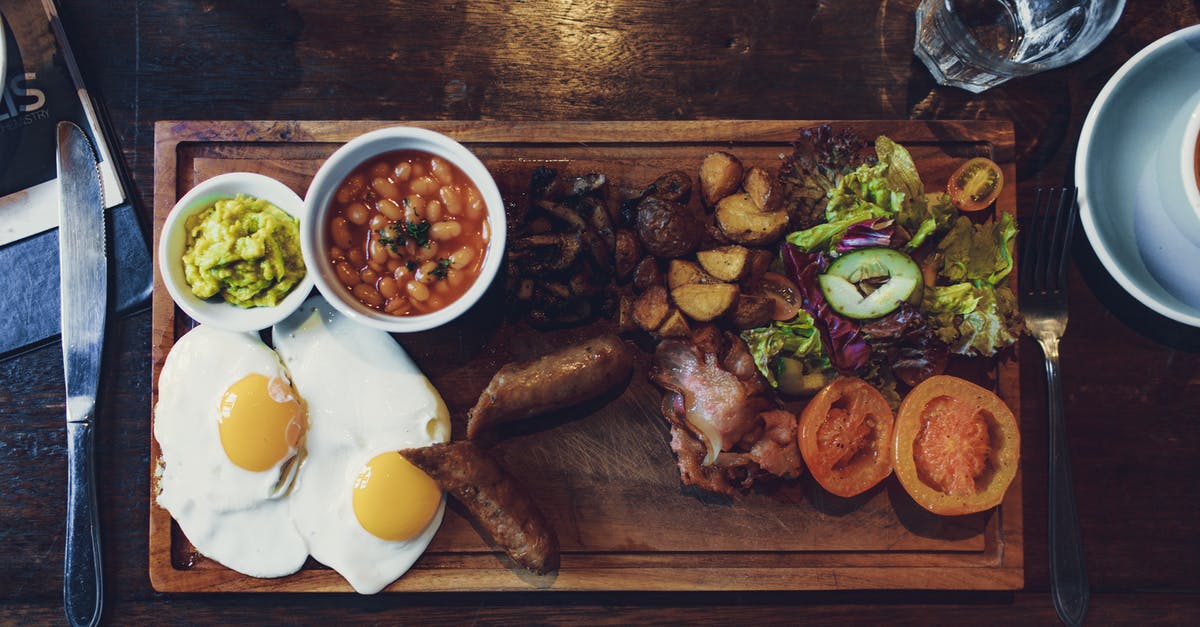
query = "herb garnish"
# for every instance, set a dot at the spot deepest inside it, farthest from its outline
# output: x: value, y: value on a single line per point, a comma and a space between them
x: 442, y: 268
x: 394, y: 237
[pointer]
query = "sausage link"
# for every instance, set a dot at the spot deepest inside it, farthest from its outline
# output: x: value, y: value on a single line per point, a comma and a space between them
x: 494, y: 500
x: 566, y: 377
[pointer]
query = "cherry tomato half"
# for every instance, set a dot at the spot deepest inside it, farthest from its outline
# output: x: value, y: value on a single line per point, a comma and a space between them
x: 784, y: 295
x: 846, y: 437
x: 957, y: 446
x: 975, y: 184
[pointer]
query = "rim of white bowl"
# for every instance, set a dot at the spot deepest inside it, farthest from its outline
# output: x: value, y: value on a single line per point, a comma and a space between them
x: 1085, y: 205
x: 217, y: 312
x: 1188, y: 166
x: 353, y: 154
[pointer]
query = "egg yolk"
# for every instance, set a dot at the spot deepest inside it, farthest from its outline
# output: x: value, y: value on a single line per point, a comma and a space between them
x: 394, y: 500
x: 260, y: 422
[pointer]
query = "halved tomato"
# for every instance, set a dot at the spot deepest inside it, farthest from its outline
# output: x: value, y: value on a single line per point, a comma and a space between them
x: 785, y: 296
x: 975, y: 184
x: 957, y: 446
x: 846, y: 437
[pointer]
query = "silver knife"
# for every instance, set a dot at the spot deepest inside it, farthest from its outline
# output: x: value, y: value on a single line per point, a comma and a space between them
x: 84, y: 282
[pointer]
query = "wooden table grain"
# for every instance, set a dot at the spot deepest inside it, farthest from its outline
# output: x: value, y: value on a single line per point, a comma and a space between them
x: 1131, y: 378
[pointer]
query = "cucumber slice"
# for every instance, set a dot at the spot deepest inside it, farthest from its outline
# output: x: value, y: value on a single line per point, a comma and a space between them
x: 871, y: 282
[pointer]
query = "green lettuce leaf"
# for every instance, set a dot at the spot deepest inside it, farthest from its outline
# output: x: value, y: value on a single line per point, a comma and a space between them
x: 824, y: 237
x: 930, y: 216
x: 797, y: 338
x: 972, y: 320
x: 979, y: 253
x: 901, y: 172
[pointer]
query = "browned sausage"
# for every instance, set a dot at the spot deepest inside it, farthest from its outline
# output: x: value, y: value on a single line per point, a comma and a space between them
x: 566, y: 377
x: 494, y: 499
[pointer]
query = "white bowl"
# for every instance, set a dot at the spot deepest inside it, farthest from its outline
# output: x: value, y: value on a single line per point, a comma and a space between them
x: 1141, y: 233
x: 215, y: 311
x: 314, y: 238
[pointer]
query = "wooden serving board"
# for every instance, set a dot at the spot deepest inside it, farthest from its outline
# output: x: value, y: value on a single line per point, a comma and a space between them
x: 604, y: 474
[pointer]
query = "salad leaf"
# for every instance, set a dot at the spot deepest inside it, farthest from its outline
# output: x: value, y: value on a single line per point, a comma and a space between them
x: 865, y: 189
x: 901, y: 172
x: 797, y: 338
x: 819, y: 159
x: 825, y: 237
x: 979, y: 253
x: 908, y: 344
x: 929, y: 216
x: 973, y: 320
x: 867, y: 234
x: 847, y: 349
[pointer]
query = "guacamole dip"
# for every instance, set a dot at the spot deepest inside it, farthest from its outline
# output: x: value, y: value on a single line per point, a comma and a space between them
x: 245, y: 249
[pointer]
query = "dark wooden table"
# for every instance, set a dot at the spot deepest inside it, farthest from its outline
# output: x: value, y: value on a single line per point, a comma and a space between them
x: 1132, y: 378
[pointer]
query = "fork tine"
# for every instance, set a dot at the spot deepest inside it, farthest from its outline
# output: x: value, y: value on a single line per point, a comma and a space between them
x: 1029, y: 249
x: 1054, y: 248
x: 1044, y: 236
x: 1069, y: 211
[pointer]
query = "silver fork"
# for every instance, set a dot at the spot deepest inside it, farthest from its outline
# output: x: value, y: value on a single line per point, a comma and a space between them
x: 1043, y: 287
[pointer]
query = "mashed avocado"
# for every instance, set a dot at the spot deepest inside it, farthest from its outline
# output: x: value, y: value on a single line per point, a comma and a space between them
x: 245, y: 249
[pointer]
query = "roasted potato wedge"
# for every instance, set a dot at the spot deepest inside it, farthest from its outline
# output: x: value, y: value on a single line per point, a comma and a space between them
x: 625, y: 321
x: 676, y: 325
x: 762, y: 189
x: 758, y: 262
x: 651, y: 308
x: 728, y: 263
x: 680, y: 272
x: 741, y: 220
x: 703, y: 302
x: 752, y: 310
x: 675, y: 185
x: 720, y: 175
x: 647, y: 274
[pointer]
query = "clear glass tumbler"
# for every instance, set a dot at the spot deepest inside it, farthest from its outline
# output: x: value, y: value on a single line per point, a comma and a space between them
x: 978, y: 44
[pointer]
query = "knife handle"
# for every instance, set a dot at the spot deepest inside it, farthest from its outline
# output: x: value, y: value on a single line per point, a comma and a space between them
x: 83, y: 588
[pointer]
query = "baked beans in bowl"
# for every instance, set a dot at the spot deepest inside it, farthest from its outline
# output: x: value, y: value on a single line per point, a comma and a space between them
x: 407, y: 229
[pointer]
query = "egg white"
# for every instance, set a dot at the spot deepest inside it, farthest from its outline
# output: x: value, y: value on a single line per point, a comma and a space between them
x: 365, y: 397
x: 229, y: 514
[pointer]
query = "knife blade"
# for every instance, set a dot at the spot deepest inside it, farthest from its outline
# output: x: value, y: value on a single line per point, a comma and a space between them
x: 84, y: 282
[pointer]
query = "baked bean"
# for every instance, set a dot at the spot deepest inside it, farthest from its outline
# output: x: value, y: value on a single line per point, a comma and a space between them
x: 403, y: 171
x: 344, y: 194
x: 428, y: 252
x: 433, y: 211
x: 462, y: 257
x: 339, y: 230
x: 392, y: 264
x: 386, y: 188
x: 441, y: 287
x: 451, y: 200
x: 336, y: 253
x: 395, y: 305
x: 378, y: 252
x: 369, y: 275
x: 435, y: 303
x: 379, y: 268
x: 402, y: 274
x: 378, y: 222
x: 356, y: 256
x: 387, y: 286
x: 426, y: 186
x: 357, y: 213
x: 443, y: 231
x: 425, y: 274
x: 367, y: 294
x: 418, y: 291
x: 442, y: 171
x: 346, y: 274
x: 475, y: 207
x: 418, y: 169
x: 390, y: 208
x: 414, y: 209
x: 455, y: 278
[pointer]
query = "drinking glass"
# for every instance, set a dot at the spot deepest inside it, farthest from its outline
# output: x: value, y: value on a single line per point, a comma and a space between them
x: 978, y: 44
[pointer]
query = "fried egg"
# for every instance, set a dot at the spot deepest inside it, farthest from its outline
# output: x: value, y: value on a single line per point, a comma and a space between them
x: 362, y: 509
x: 230, y: 428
